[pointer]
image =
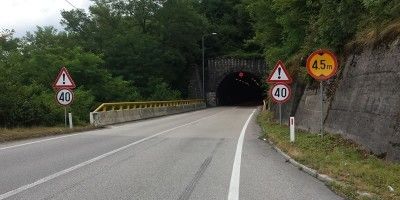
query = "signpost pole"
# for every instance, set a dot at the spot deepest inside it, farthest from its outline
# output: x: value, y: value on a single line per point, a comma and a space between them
x: 322, y: 108
x: 280, y: 114
x: 65, y: 116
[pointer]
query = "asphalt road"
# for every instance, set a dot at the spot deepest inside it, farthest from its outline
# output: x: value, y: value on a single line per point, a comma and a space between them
x: 207, y: 154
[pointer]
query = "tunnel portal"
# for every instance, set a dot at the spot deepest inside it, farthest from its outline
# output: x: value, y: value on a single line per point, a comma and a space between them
x: 240, y: 88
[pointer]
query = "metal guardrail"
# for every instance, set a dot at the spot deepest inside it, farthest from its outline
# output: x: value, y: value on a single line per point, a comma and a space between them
x: 149, y: 104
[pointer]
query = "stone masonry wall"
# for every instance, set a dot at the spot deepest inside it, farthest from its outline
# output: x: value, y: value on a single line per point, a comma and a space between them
x: 366, y: 104
x: 218, y: 68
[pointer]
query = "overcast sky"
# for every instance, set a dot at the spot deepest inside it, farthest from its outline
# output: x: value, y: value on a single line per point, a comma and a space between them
x: 25, y: 15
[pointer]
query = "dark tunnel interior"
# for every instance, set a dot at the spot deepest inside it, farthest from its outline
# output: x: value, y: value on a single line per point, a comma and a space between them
x: 240, y: 88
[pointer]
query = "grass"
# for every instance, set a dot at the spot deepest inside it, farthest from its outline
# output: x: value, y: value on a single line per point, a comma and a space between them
x: 355, y: 170
x: 35, y: 132
x: 374, y: 37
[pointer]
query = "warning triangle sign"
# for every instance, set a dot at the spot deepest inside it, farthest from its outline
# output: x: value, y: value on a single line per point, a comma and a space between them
x: 64, y: 80
x: 279, y: 74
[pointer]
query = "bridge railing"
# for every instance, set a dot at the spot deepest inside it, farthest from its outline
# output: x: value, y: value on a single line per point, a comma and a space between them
x: 148, y: 104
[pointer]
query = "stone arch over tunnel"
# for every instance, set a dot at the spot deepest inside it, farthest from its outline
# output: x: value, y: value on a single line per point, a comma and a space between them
x: 239, y: 88
x: 220, y: 71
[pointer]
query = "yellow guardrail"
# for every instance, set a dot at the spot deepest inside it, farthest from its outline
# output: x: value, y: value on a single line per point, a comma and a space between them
x: 148, y: 104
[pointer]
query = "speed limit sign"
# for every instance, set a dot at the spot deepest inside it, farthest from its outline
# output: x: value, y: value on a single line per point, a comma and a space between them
x: 280, y: 93
x: 65, y: 97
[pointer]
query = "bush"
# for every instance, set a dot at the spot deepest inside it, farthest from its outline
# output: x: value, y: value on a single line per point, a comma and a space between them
x: 160, y: 90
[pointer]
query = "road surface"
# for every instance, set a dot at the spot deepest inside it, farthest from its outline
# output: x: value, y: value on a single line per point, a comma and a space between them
x: 207, y: 154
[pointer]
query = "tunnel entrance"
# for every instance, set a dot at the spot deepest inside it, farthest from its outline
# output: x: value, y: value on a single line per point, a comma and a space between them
x: 240, y: 88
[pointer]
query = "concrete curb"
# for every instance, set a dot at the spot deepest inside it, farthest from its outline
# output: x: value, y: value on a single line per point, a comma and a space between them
x: 322, y: 177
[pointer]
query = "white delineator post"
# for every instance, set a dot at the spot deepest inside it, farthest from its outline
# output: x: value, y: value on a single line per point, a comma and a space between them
x: 292, y: 136
x: 91, y: 117
x: 70, y: 120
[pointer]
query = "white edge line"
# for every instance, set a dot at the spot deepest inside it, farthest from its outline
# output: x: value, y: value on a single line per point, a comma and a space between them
x: 235, y: 177
x: 38, y: 141
x: 65, y: 171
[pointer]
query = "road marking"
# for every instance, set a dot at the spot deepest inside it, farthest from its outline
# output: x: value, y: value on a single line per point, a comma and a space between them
x: 28, y: 143
x: 235, y: 177
x: 65, y: 171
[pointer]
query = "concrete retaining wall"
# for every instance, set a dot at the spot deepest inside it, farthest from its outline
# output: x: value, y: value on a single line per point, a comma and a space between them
x: 365, y: 104
x: 119, y: 116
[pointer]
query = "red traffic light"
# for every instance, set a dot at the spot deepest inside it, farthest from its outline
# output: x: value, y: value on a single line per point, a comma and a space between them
x: 241, y: 74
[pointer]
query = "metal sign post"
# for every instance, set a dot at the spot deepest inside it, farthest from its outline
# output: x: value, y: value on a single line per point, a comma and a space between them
x: 321, y: 87
x: 322, y: 65
x: 65, y: 116
x: 280, y: 114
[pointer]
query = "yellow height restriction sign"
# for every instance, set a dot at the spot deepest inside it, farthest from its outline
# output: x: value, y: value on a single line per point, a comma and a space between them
x: 322, y: 64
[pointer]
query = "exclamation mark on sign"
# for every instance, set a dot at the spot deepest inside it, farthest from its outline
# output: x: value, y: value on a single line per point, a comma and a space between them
x: 279, y: 73
x: 63, y: 78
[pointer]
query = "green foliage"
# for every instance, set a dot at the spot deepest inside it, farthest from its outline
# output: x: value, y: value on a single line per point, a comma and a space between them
x: 160, y: 91
x: 140, y: 38
x: 379, y: 12
x: 231, y: 20
x: 82, y: 105
x: 29, y: 69
x: 287, y: 29
x: 128, y: 50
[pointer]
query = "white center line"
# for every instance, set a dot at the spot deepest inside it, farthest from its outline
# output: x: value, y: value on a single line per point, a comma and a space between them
x: 235, y: 177
x: 80, y: 165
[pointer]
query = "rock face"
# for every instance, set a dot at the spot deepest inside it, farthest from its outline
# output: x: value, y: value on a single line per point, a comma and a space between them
x: 365, y: 106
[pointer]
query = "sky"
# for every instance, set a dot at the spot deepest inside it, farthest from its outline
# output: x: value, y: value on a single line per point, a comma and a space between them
x: 25, y: 15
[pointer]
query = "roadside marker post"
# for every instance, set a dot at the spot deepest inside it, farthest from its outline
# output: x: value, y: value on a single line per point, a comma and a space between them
x: 71, y: 126
x: 322, y: 65
x: 292, y: 133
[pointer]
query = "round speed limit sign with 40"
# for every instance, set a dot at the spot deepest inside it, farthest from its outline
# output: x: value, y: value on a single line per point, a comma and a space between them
x: 65, y: 97
x: 280, y: 93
